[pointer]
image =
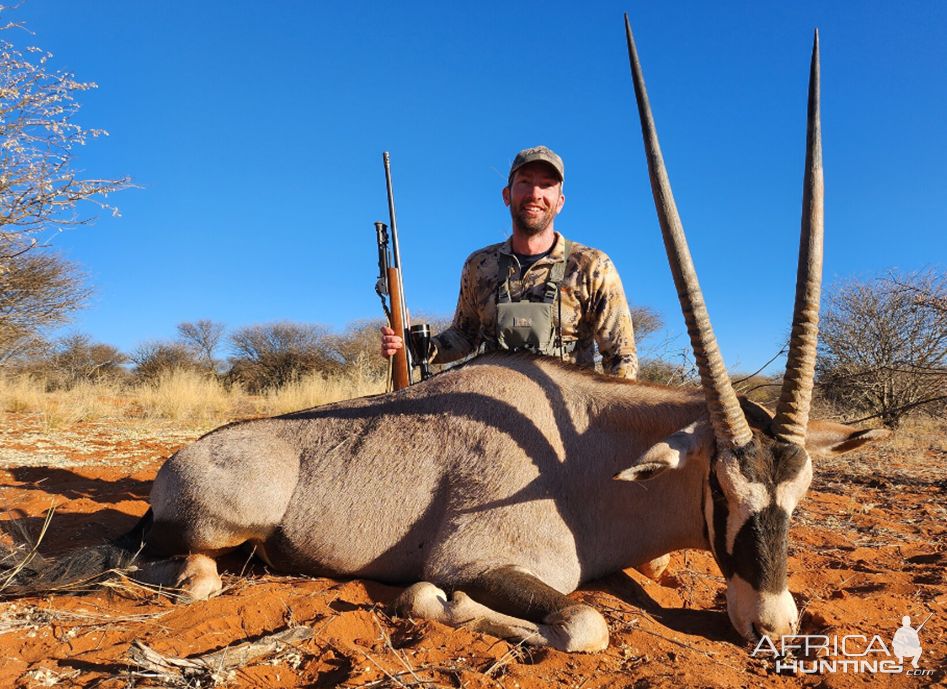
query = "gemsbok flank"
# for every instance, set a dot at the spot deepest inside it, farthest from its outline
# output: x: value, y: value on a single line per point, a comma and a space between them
x: 497, y: 480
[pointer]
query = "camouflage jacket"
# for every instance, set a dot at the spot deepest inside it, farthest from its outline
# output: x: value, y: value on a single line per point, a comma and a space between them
x: 594, y: 310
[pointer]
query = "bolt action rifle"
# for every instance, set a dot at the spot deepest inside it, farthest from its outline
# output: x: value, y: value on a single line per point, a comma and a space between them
x: 417, y: 338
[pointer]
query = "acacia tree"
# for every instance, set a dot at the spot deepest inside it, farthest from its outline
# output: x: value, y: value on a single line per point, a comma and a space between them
x: 39, y: 292
x: 203, y: 336
x: 270, y: 355
x: 39, y: 194
x: 646, y: 320
x: 39, y: 188
x: 76, y: 358
x: 883, y: 344
x: 156, y: 358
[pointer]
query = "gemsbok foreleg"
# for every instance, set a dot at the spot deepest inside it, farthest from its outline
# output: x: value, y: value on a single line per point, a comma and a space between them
x: 510, y: 603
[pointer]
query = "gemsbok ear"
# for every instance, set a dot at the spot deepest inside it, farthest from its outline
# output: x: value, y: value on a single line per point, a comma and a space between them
x: 670, y: 453
x: 827, y: 439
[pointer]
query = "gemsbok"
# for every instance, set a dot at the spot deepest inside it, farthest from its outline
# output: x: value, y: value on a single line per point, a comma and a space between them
x: 497, y: 480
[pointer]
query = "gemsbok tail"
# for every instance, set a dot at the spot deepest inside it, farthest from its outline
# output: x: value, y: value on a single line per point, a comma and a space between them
x: 29, y: 573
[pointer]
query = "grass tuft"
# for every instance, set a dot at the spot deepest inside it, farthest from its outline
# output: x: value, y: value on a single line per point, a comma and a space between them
x: 182, y: 395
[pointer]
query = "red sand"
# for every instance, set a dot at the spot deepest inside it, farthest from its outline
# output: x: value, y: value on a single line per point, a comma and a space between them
x: 867, y: 547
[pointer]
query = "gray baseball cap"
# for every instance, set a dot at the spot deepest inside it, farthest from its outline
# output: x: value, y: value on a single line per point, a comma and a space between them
x: 537, y: 154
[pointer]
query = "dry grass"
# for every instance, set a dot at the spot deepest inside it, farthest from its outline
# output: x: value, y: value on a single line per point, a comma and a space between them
x: 192, y: 397
x: 312, y: 391
x: 21, y: 395
x: 920, y: 435
x: 179, y: 396
x: 85, y: 402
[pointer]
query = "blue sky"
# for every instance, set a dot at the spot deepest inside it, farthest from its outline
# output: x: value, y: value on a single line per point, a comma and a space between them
x: 256, y: 132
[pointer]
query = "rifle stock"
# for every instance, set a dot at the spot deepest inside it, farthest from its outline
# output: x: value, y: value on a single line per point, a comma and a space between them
x: 400, y: 369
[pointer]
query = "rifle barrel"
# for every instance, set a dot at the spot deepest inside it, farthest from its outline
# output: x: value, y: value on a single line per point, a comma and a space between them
x: 396, y: 251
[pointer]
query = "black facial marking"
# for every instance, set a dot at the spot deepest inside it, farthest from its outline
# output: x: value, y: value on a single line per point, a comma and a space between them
x: 703, y: 511
x: 789, y: 460
x: 759, y: 549
x: 720, y: 514
x: 756, y: 462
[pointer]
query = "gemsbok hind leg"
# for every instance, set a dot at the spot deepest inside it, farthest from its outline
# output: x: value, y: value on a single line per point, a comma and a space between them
x: 229, y: 488
x: 195, y: 575
x: 510, y: 603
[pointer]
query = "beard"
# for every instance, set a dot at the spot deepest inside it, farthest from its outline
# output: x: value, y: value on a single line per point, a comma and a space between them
x: 531, y: 225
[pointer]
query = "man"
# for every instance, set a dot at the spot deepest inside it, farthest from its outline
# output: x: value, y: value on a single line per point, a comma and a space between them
x: 537, y: 290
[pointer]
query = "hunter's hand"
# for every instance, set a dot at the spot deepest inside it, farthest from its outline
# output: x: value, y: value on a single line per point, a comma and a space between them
x: 390, y: 343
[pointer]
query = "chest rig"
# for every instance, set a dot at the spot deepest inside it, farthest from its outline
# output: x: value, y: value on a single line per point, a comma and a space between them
x: 531, y: 325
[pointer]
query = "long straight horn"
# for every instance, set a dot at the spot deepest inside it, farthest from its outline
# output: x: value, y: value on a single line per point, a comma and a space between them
x: 792, y: 411
x: 730, y: 426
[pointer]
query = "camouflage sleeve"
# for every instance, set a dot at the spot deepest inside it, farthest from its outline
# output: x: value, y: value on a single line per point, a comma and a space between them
x: 614, y: 332
x: 460, y: 339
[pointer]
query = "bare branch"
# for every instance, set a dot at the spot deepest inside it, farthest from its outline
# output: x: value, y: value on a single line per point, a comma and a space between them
x: 778, y: 354
x: 204, y: 336
x: 213, y: 668
x: 905, y: 408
